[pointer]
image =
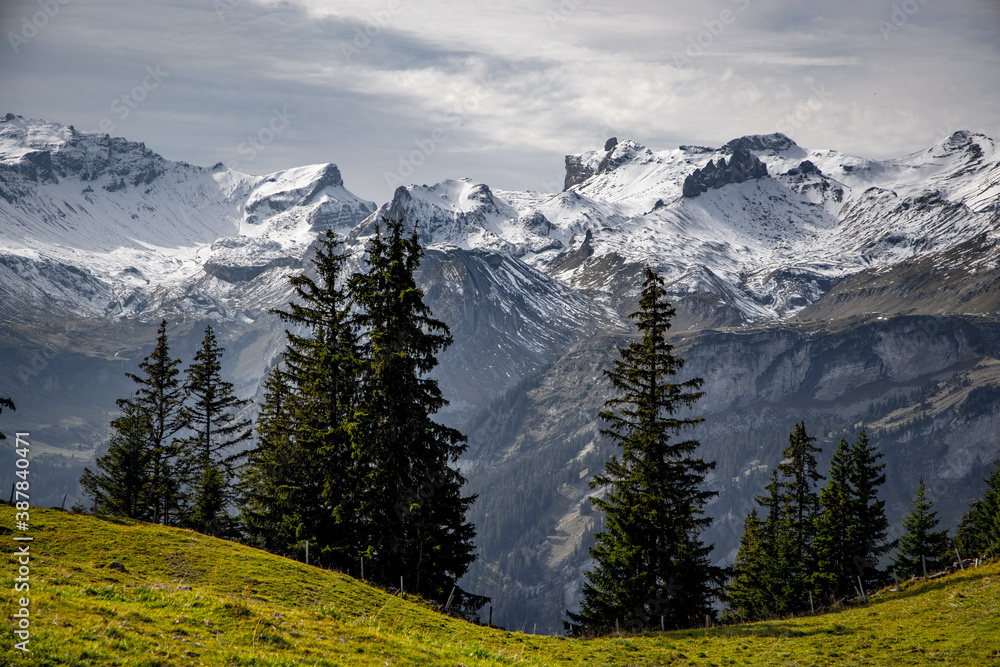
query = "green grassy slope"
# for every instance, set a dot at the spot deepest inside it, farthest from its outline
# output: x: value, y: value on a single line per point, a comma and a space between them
x: 187, y: 599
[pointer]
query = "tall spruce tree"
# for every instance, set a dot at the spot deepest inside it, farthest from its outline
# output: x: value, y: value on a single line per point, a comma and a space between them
x: 979, y: 532
x: 271, y: 483
x: 159, y: 397
x: 750, y: 592
x: 851, y: 530
x: 649, y: 561
x: 301, y: 482
x: 120, y: 487
x: 211, y: 452
x: 836, y: 530
x: 921, y: 542
x: 411, y: 501
x: 871, y: 527
x: 799, y: 509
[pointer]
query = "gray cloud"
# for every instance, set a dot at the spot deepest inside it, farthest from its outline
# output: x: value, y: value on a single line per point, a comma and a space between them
x: 507, y: 88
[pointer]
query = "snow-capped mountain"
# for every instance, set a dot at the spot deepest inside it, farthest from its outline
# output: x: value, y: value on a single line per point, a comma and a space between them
x: 808, y: 284
x: 104, y: 226
x: 761, y: 222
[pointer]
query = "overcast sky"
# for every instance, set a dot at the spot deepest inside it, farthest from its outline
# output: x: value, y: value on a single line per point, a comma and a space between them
x: 422, y: 90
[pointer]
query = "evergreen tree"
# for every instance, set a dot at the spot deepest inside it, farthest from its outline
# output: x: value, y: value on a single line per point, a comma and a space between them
x: 5, y: 403
x: 799, y: 509
x: 852, y: 527
x: 751, y: 589
x: 921, y: 541
x: 411, y: 502
x: 649, y: 559
x: 271, y: 483
x: 868, y: 538
x: 211, y: 451
x: 836, y: 530
x: 159, y: 398
x: 979, y: 532
x: 121, y: 485
x: 301, y: 483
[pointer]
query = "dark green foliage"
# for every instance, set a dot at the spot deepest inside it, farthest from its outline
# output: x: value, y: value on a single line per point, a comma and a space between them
x: 871, y: 527
x: 122, y: 484
x: 781, y: 558
x: 348, y: 456
x: 207, y: 513
x: 210, y: 452
x: 649, y: 559
x: 5, y: 403
x: 921, y: 541
x: 979, y: 533
x: 411, y: 504
x: 797, y: 525
x: 751, y: 590
x: 159, y: 397
x: 852, y: 528
x: 300, y: 481
x: 836, y: 530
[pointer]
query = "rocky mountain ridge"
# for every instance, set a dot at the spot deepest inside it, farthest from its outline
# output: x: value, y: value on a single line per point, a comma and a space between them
x: 809, y: 284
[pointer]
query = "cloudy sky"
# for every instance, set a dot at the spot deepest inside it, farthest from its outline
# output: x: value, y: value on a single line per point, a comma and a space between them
x: 422, y: 90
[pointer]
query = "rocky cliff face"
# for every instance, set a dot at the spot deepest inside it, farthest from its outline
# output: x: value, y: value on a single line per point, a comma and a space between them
x: 808, y: 284
x: 742, y: 166
x: 758, y: 384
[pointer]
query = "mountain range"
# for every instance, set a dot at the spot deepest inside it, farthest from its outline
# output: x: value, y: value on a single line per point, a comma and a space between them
x: 809, y: 285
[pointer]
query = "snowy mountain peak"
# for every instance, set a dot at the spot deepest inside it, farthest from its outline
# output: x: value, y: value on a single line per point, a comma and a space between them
x: 460, y: 213
x: 771, y: 144
x: 134, y: 224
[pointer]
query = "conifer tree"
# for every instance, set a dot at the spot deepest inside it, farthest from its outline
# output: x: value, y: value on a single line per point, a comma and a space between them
x: 121, y: 485
x: 210, y: 452
x: 921, y: 542
x: 799, y: 509
x: 649, y: 560
x: 411, y: 501
x: 301, y: 483
x: 836, y: 530
x: 979, y: 532
x: 271, y: 482
x: 751, y: 590
x: 868, y: 539
x: 159, y: 398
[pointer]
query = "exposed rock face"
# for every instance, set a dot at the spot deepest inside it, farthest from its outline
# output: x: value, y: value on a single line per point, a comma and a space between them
x: 581, y: 167
x: 759, y: 382
x: 742, y: 166
x: 577, y: 171
x: 762, y: 143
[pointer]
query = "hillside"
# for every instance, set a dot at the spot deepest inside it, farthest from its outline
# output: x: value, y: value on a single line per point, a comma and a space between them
x: 180, y: 598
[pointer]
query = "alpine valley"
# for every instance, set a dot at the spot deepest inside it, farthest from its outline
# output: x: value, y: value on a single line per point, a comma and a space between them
x: 809, y: 285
